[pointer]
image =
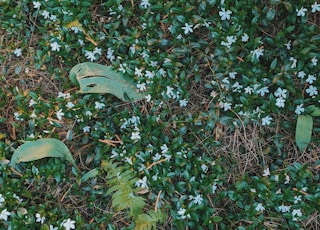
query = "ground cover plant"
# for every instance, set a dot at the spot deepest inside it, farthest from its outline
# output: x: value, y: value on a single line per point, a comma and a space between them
x: 211, y: 144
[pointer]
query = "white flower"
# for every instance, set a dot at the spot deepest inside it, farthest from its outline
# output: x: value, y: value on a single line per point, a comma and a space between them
x: 69, y: 224
x: 135, y: 136
x: 45, y: 14
x: 299, y: 109
x: 297, y: 199
x: 311, y: 78
x: 4, y: 215
x: 248, y: 90
x: 225, y: 15
x: 257, y: 53
x: 156, y: 157
x: 312, y: 91
x: 281, y: 93
x: 183, y: 103
x: 284, y: 208
x: 259, y: 208
x: 232, y: 75
x: 53, y: 18
x: 110, y: 54
x: 122, y: 67
x: 315, y: 7
x: 53, y: 228
x: 181, y: 212
x: 17, y: 52
x: 301, y: 12
x: 138, y: 72
x: 99, y: 105
x: 142, y: 183
x: 288, y: 45
x: 141, y: 87
x: 88, y: 113
x: 36, y: 5
x: 204, y: 168
x: 287, y: 181
x: 75, y: 29
x: 90, y: 55
x: 64, y: 95
x: 245, y: 37
x: 266, y: 172
x: 296, y: 212
x: 314, y: 61
x: 59, y: 114
x: 280, y: 102
x: 225, y: 105
x: 40, y: 218
x: 263, y: 91
x: 145, y: 4
x: 150, y: 74
x: 266, y: 121
x: 164, y: 149
x: 55, y: 46
x: 1, y: 199
x: 97, y: 50
x: 17, y: 197
x: 86, y: 129
x: 214, y: 188
x: 230, y: 41
x: 70, y: 105
x: 294, y: 62
x: 198, y: 199
x: 301, y: 74
x: 187, y: 28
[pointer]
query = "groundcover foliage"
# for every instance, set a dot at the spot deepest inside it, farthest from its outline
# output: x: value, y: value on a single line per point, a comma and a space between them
x: 210, y: 146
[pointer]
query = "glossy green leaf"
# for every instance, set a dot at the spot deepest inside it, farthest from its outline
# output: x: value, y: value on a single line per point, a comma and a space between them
x: 96, y: 78
x: 38, y: 149
x: 303, y: 131
x: 313, y: 110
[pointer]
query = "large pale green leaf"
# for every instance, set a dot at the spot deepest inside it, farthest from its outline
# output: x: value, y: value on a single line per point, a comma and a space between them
x: 303, y: 131
x: 38, y: 149
x: 96, y: 78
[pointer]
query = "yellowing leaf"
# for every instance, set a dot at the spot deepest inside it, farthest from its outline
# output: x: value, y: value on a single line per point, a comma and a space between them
x: 74, y: 23
x: 45, y: 147
x: 96, y: 78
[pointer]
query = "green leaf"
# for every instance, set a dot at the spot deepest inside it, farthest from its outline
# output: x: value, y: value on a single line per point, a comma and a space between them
x: 38, y: 149
x: 91, y: 174
x: 313, y: 110
x: 96, y: 78
x: 273, y: 63
x: 288, y: 6
x: 216, y: 219
x: 303, y: 131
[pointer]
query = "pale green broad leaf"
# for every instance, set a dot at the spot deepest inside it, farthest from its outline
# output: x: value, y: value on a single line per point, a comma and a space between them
x: 96, y: 78
x: 38, y: 149
x: 303, y: 131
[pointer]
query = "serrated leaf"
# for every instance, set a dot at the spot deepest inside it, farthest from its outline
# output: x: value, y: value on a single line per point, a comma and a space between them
x: 303, y: 131
x: 91, y: 174
x: 96, y: 78
x: 38, y: 149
